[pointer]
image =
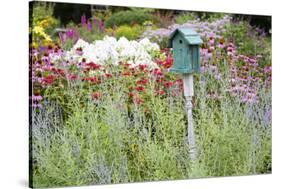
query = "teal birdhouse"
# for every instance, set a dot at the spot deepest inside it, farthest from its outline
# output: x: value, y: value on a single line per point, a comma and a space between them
x: 185, y: 44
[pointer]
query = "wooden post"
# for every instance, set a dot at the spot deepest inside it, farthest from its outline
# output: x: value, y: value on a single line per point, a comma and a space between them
x: 186, y: 55
x: 188, y: 93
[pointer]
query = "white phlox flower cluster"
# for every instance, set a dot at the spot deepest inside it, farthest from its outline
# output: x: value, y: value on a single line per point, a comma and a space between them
x: 112, y: 51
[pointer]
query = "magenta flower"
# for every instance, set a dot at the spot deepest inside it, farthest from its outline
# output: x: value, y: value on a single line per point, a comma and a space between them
x: 220, y: 45
x: 69, y: 33
x: 83, y: 20
x: 267, y: 69
x: 89, y: 26
x: 212, y: 41
x: 95, y: 21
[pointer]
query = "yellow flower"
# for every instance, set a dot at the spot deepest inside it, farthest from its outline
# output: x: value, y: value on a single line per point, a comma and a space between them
x: 44, y: 23
x: 48, y: 38
x: 38, y: 30
x: 34, y: 45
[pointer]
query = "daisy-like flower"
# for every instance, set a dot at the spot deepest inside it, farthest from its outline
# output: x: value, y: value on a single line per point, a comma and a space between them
x: 37, y: 97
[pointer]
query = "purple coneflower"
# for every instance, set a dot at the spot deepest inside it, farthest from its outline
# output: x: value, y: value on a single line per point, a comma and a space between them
x: 37, y: 97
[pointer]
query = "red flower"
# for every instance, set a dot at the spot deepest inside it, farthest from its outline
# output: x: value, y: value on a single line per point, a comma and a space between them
x: 58, y: 71
x: 139, y: 88
x: 142, y: 81
x: 72, y: 77
x: 126, y: 65
x: 157, y: 72
x: 107, y: 75
x: 48, y: 80
x: 168, y: 62
x: 142, y: 66
x: 96, y: 95
x: 168, y: 84
x: 126, y: 74
x: 137, y: 100
x: 93, y: 66
x: 179, y: 83
x: 159, y: 80
x: 159, y: 62
x: 159, y: 92
x: 133, y: 70
x: 130, y: 94
x: 93, y: 80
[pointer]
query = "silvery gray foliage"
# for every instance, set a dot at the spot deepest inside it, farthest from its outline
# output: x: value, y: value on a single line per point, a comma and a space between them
x: 261, y: 111
x: 99, y: 168
x: 44, y: 120
x: 43, y: 124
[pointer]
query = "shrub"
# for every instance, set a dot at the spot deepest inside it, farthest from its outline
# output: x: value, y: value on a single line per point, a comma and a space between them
x: 183, y: 18
x: 42, y: 23
x: 128, y: 18
x: 130, y: 33
x: 163, y: 18
x: 210, y: 17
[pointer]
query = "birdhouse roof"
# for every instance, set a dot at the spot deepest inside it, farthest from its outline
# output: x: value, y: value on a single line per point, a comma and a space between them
x: 189, y: 36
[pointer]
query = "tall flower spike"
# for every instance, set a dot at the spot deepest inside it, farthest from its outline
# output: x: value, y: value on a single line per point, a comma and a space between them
x: 83, y: 20
x: 89, y: 26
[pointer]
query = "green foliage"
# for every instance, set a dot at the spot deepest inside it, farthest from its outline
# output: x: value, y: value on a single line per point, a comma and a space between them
x: 232, y: 142
x: 248, y: 41
x: 90, y: 36
x: 163, y: 18
x: 68, y: 44
x: 128, y: 17
x: 191, y: 16
x: 107, y: 141
x: 236, y: 32
x: 101, y: 15
x: 185, y: 17
x: 42, y: 23
x: 162, y: 42
x: 41, y: 10
x: 210, y: 16
x: 131, y: 33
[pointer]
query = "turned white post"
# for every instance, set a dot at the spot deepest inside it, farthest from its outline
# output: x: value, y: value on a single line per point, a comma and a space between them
x: 188, y: 94
x: 186, y: 55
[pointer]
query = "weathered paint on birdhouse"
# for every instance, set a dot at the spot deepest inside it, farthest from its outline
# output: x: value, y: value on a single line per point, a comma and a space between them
x: 185, y: 44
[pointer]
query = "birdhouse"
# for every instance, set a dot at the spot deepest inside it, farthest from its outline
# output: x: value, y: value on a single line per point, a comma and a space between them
x: 185, y: 44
